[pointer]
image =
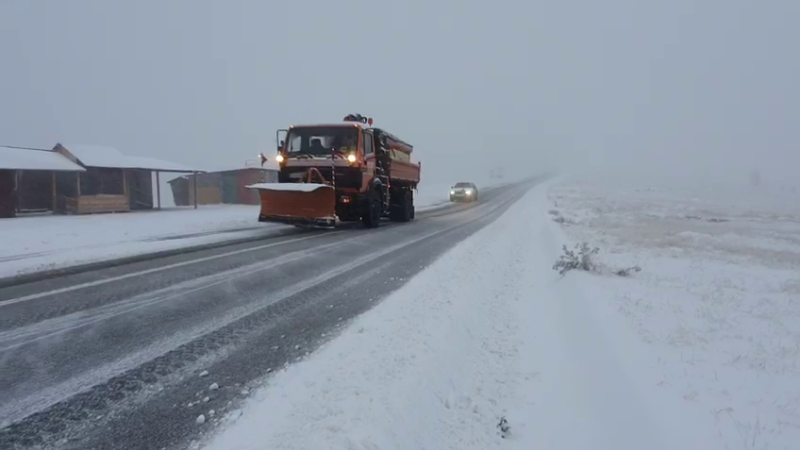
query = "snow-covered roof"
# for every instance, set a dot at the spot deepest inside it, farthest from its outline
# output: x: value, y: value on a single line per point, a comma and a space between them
x: 102, y: 156
x: 17, y: 158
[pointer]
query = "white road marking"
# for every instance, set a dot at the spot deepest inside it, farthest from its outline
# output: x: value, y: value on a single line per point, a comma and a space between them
x: 33, y: 333
x: 154, y: 270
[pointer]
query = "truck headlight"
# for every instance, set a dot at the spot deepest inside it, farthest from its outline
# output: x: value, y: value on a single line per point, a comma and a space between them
x: 279, y: 158
x: 351, y: 158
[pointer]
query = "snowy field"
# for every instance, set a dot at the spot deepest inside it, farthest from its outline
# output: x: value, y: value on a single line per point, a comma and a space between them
x: 717, y: 301
x: 698, y: 350
x: 46, y: 242
x: 37, y: 243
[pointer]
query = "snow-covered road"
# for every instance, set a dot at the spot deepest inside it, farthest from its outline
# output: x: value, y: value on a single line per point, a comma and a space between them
x: 46, y: 242
x: 488, y: 331
x: 115, y: 357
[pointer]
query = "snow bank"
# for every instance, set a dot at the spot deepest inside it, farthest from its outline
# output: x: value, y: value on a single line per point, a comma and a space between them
x: 42, y: 242
x: 296, y: 187
x: 716, y: 301
x: 488, y: 331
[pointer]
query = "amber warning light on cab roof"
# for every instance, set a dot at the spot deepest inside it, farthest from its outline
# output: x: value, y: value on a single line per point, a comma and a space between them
x: 358, y: 118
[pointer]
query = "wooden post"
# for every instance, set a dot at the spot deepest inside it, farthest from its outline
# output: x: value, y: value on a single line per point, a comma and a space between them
x: 158, y: 189
x: 55, y: 196
x: 125, y: 184
x: 77, y: 196
x: 17, y: 177
x: 195, y: 190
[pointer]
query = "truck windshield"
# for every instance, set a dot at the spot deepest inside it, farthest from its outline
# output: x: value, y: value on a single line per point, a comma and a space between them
x: 321, y: 141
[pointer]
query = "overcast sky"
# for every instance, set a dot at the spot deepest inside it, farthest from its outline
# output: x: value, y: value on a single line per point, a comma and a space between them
x: 702, y: 86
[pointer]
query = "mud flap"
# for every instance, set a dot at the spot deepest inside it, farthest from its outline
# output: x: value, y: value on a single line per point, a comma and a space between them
x: 303, y: 204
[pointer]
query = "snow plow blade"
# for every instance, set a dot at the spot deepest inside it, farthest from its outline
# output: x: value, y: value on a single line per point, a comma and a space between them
x: 301, y: 204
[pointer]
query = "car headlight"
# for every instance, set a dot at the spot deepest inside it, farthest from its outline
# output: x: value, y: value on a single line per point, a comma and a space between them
x: 452, y: 192
x: 468, y: 192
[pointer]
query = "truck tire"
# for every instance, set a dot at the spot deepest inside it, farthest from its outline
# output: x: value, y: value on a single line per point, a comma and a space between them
x: 372, y: 216
x: 404, y: 211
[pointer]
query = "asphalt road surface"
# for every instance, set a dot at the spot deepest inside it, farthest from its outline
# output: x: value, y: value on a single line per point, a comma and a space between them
x: 117, y: 358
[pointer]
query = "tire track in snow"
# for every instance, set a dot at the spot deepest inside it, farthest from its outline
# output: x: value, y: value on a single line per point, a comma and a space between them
x: 18, y: 337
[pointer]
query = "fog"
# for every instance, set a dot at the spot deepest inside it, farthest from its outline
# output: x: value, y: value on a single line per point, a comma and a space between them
x: 687, y: 88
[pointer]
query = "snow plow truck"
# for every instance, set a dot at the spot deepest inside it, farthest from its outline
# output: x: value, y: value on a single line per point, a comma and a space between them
x: 341, y: 172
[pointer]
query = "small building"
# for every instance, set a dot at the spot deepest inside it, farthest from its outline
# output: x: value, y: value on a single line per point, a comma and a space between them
x: 78, y: 179
x: 112, y: 182
x: 221, y: 187
x: 28, y: 179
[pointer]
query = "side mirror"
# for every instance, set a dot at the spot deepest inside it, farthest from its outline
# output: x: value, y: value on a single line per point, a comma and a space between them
x: 281, y: 142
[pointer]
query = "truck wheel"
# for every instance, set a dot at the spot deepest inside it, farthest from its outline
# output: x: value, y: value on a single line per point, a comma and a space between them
x: 404, y: 211
x: 408, y: 207
x: 372, y: 216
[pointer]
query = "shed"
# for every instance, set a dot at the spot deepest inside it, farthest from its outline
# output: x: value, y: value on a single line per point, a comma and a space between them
x: 221, y: 187
x: 28, y: 179
x: 113, y: 181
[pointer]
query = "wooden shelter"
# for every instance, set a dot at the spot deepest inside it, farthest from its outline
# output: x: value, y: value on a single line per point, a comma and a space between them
x: 28, y: 179
x: 112, y: 182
